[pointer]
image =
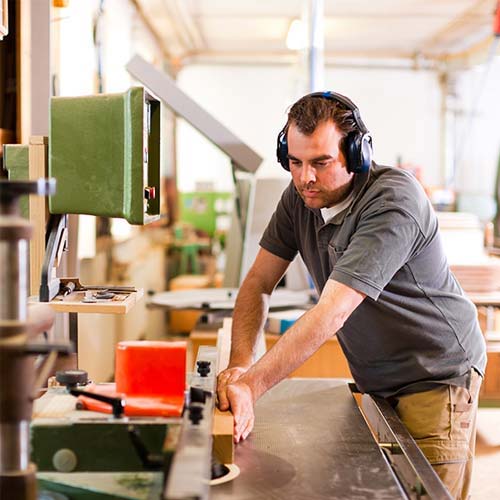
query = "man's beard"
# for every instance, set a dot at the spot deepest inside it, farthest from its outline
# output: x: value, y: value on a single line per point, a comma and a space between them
x: 327, y: 198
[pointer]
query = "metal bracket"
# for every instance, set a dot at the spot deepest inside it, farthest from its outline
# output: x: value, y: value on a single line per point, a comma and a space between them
x: 56, y: 241
x: 410, y: 465
x: 189, y: 473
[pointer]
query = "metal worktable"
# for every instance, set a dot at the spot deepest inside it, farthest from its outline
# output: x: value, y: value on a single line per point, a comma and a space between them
x: 310, y: 441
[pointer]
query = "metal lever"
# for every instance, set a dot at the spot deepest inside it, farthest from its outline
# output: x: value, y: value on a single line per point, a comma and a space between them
x: 149, y: 460
x: 117, y: 404
x: 65, y: 349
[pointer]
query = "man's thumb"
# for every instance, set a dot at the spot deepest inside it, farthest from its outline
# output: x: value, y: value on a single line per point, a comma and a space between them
x: 223, y: 401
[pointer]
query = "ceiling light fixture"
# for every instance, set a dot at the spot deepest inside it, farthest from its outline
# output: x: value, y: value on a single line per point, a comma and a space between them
x: 296, y: 38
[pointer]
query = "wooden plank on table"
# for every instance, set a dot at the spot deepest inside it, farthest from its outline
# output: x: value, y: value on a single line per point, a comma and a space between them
x: 38, y: 209
x: 485, y: 298
x: 121, y: 304
x: 490, y: 388
x: 223, y: 436
x: 329, y: 361
x: 478, y: 277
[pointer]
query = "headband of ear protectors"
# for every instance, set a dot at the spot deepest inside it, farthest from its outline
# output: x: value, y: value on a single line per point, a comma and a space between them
x: 357, y: 144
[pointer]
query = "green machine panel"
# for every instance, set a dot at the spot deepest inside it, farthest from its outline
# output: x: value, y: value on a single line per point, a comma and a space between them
x: 98, y: 446
x: 201, y: 209
x: 104, y: 151
x: 16, y: 162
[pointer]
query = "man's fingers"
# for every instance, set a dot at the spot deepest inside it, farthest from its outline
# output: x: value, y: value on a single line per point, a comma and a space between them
x: 231, y: 375
x: 238, y: 398
x: 243, y: 427
x: 243, y: 418
x: 222, y: 397
x: 223, y: 381
x: 248, y: 429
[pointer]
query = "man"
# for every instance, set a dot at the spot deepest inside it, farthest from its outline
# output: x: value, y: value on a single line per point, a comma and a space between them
x: 369, y: 237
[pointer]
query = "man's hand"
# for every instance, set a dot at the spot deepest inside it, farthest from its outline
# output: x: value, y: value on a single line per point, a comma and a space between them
x: 237, y: 397
x: 241, y: 402
x: 226, y: 377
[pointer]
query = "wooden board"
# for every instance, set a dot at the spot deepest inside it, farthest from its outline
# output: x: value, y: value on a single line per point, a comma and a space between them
x: 490, y: 389
x: 223, y: 436
x: 120, y: 304
x: 485, y: 299
x: 328, y: 361
x: 481, y: 275
x: 38, y: 209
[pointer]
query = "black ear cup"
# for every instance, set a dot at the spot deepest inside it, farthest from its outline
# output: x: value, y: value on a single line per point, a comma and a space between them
x: 358, y: 148
x: 357, y: 145
x: 282, y: 150
x: 366, y: 153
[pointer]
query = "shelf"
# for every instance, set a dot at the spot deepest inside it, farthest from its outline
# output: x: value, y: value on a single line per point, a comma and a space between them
x: 119, y: 304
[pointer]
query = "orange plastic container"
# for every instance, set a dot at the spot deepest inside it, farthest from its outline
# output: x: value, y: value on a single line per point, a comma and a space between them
x: 150, y: 368
x: 150, y: 377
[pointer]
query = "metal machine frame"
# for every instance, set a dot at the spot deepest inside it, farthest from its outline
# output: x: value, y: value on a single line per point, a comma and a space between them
x: 416, y: 475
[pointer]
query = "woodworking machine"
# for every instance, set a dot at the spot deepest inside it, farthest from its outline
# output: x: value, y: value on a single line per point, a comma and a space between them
x: 74, y: 454
x: 91, y: 455
x: 311, y: 440
x: 18, y: 329
x: 104, y: 152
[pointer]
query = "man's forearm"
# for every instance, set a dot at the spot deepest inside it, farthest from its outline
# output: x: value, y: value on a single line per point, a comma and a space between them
x: 298, y: 344
x: 240, y: 390
x: 249, y: 317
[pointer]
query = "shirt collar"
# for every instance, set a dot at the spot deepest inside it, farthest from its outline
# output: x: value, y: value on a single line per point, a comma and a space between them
x: 360, y: 182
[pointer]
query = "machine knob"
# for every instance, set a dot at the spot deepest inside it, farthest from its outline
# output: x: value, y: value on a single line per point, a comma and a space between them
x: 72, y: 377
x: 195, y: 413
x: 203, y: 368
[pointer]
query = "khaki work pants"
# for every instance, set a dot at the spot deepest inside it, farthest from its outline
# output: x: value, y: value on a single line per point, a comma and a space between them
x: 443, y: 423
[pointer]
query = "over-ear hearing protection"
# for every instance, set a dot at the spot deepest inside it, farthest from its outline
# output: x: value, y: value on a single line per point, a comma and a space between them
x: 357, y: 144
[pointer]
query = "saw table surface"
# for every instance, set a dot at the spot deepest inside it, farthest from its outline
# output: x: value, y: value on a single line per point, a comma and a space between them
x: 310, y: 441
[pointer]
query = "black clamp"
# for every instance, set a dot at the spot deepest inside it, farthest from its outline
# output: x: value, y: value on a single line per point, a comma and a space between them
x: 197, y: 400
x: 117, y: 404
x: 203, y: 368
x: 196, y: 413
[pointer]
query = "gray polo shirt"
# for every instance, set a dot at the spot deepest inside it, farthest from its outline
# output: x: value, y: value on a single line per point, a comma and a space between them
x: 415, y: 327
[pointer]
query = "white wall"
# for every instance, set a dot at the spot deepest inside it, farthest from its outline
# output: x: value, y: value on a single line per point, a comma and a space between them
x: 76, y: 59
x: 400, y: 107
x: 478, y: 137
x: 122, y: 35
x: 242, y: 98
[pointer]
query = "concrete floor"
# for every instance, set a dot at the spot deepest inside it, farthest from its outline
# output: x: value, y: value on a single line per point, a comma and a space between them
x: 486, y: 473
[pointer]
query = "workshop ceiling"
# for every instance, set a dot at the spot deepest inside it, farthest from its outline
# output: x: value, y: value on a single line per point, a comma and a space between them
x: 249, y: 31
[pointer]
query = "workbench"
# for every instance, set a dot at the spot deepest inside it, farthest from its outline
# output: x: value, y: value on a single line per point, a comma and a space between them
x: 310, y: 441
x: 490, y: 388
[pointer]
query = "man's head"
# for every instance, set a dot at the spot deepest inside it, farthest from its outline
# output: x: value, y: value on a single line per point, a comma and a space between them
x: 309, y: 111
x: 323, y: 143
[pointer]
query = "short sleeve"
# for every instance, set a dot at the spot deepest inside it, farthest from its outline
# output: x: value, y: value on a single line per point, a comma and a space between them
x: 384, y: 241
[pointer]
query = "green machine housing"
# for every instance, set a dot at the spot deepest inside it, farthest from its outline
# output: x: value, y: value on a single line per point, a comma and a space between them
x: 104, y: 151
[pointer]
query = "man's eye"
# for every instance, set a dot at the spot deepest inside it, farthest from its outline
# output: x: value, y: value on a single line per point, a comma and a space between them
x: 295, y: 163
x: 320, y: 164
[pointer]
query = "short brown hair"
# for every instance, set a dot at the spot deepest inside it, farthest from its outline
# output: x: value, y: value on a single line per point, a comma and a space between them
x: 309, y: 111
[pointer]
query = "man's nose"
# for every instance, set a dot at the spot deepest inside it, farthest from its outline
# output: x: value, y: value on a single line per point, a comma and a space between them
x: 308, y: 174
